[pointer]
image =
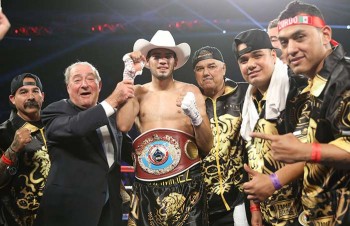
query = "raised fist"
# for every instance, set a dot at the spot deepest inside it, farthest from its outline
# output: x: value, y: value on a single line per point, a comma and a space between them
x: 189, y: 107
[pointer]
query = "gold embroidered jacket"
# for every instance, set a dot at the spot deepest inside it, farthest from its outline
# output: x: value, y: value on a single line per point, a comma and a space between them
x: 223, y: 166
x: 21, y: 195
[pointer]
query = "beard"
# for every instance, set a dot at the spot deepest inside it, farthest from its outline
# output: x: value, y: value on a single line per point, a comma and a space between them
x: 162, y: 75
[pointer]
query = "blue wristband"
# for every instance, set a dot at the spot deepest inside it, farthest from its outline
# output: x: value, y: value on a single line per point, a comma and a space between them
x: 276, y: 183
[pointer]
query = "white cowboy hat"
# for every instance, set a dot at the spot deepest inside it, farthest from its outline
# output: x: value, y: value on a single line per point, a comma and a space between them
x: 164, y: 39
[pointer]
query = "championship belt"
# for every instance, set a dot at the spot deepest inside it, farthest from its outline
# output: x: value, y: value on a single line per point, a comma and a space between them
x: 163, y: 153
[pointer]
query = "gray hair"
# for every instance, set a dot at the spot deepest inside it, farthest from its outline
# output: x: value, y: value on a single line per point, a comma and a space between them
x: 68, y: 70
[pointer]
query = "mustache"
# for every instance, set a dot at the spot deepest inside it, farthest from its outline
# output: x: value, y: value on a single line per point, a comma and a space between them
x: 31, y: 103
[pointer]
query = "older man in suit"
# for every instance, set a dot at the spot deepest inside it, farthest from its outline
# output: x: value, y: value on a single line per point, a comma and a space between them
x: 85, y: 148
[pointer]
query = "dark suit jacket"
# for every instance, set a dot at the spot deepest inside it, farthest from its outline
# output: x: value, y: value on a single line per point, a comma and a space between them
x: 77, y: 184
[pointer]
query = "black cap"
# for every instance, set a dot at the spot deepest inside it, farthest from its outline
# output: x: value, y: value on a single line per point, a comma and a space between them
x: 17, y: 82
x: 206, y: 52
x: 254, y: 39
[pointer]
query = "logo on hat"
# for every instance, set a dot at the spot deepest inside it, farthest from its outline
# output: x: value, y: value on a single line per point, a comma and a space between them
x: 206, y: 52
x: 164, y: 39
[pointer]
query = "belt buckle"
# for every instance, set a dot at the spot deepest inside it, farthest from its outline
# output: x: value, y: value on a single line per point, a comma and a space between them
x: 159, y: 155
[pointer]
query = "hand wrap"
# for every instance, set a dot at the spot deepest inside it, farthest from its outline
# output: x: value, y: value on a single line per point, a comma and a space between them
x: 189, y: 107
x: 129, y: 69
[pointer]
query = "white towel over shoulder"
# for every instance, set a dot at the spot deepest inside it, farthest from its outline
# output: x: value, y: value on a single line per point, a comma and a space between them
x: 275, y: 100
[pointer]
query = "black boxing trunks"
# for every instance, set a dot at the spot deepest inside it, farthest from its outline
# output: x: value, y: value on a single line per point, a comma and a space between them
x: 177, y: 201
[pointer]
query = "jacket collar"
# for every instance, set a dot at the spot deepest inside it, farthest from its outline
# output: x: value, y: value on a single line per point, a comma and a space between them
x: 18, y: 122
x: 331, y: 62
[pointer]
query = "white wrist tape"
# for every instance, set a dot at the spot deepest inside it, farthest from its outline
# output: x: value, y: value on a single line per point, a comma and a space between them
x: 129, y: 70
x: 189, y: 107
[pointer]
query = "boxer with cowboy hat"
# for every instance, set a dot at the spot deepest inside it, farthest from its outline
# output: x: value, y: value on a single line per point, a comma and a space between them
x: 175, y: 134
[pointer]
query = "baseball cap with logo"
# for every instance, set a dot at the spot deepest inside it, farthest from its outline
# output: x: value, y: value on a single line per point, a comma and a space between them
x: 206, y: 52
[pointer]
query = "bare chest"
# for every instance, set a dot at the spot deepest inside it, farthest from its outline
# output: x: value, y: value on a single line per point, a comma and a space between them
x: 159, y: 106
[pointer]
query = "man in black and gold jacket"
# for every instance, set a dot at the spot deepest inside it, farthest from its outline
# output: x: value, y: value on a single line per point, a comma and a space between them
x: 269, y: 108
x: 322, y: 135
x: 24, y: 163
x: 223, y: 166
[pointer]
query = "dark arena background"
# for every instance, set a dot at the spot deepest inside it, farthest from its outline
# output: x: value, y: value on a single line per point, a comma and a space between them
x: 46, y: 35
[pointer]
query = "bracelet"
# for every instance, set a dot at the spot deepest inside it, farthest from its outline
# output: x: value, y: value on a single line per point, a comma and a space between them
x: 275, y: 181
x: 255, y: 205
x: 254, y: 208
x: 6, y: 160
x: 316, y: 153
